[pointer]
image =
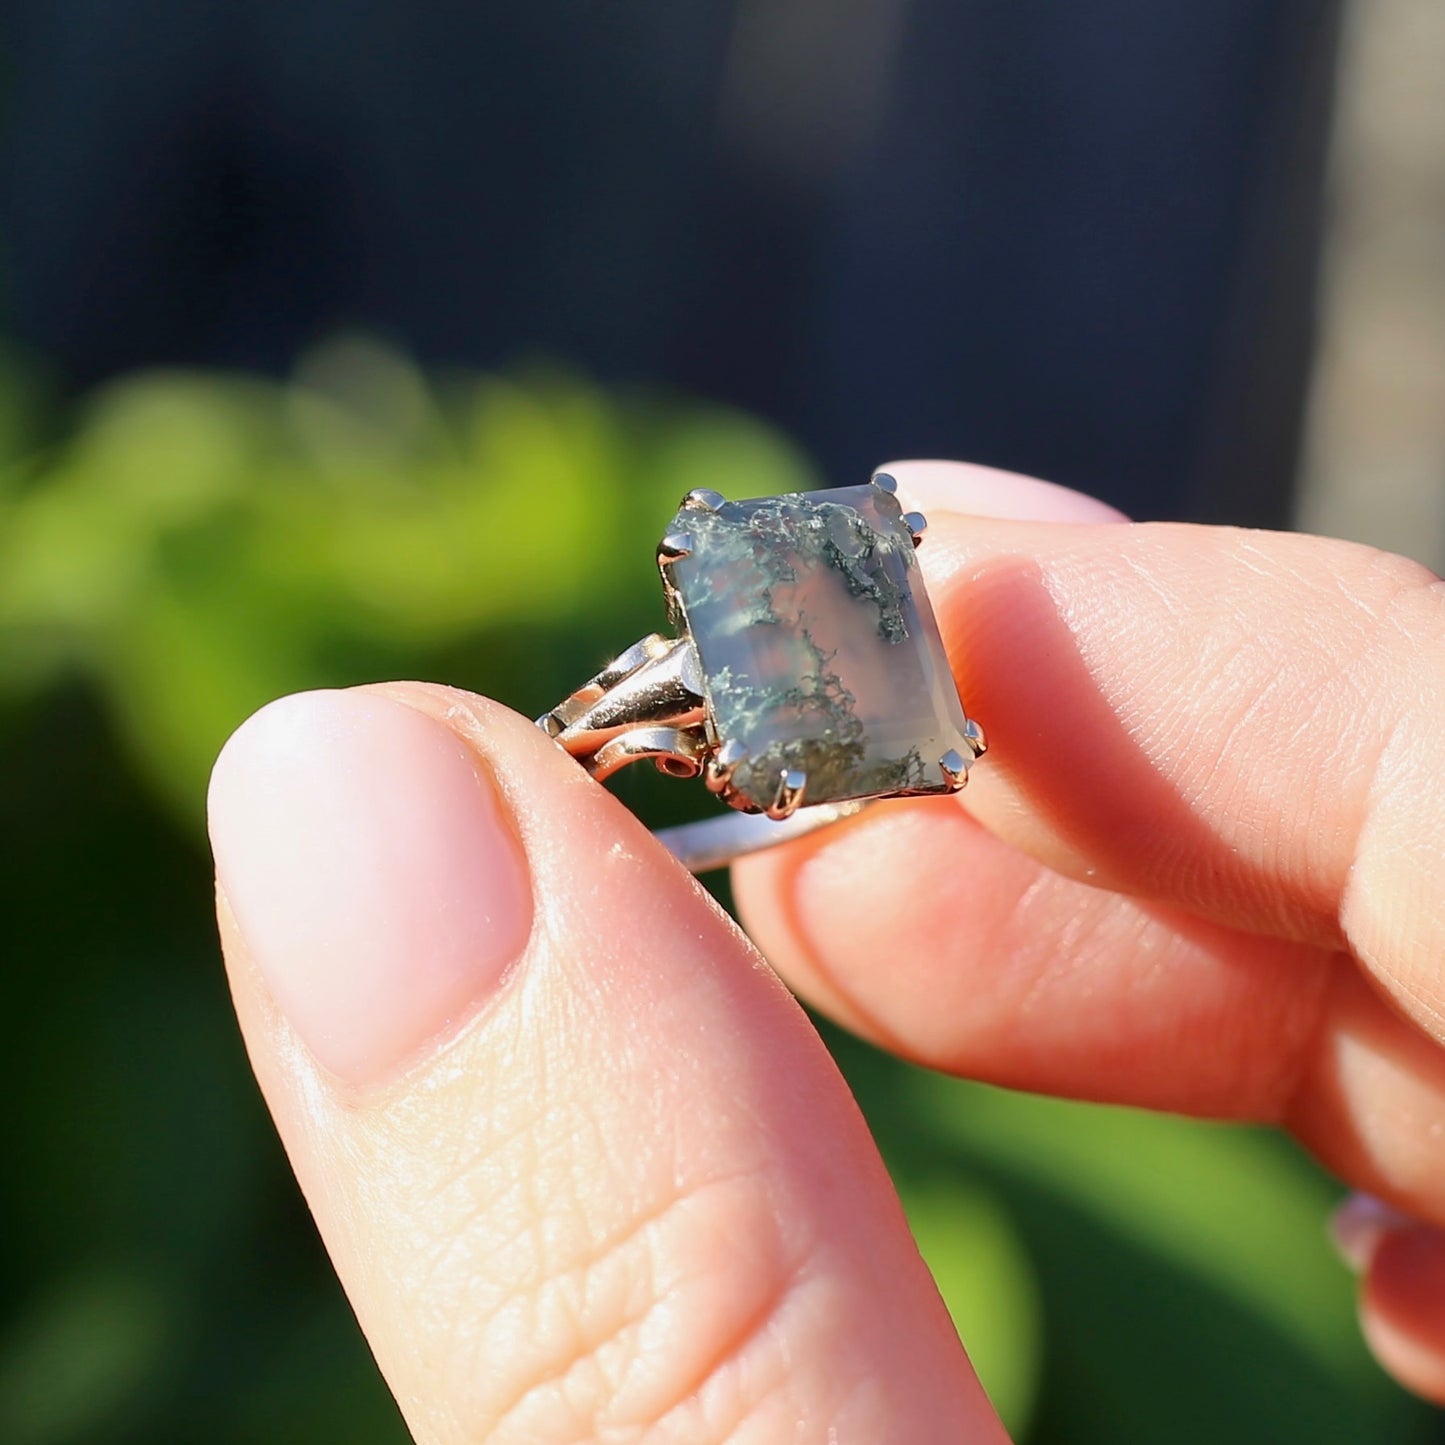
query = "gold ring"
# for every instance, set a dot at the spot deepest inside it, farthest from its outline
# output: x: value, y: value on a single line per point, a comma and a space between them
x: 807, y: 677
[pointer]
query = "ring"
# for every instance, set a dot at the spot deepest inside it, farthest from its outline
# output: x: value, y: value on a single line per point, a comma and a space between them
x: 806, y: 681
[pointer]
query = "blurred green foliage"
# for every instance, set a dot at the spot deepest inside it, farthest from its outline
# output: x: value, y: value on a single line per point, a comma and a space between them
x: 183, y: 548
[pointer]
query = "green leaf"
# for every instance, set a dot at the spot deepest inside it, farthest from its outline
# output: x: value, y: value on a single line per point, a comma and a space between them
x: 986, y: 1279
x: 82, y: 1357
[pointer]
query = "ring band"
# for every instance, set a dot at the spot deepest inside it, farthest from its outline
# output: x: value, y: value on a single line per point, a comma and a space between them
x: 807, y: 678
x: 715, y: 842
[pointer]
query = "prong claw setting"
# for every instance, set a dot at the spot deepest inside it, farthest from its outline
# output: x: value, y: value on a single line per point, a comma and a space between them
x: 703, y: 499
x: 975, y: 737
x: 954, y: 767
x: 722, y: 765
x: 789, y: 798
x: 807, y: 671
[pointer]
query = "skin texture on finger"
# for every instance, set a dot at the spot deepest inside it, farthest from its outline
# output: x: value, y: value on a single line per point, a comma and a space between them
x: 1402, y: 1301
x: 1212, y: 879
x: 1371, y: 1100
x: 979, y: 491
x: 625, y: 1195
x: 990, y: 965
x: 1402, y: 1307
x: 1242, y: 725
x: 1202, y: 741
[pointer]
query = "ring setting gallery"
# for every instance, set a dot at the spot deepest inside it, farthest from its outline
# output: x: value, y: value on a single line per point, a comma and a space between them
x: 807, y: 678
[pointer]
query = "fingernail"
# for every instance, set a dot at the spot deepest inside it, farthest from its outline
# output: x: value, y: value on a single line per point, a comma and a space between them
x: 373, y: 873
x: 1358, y: 1226
x: 985, y: 492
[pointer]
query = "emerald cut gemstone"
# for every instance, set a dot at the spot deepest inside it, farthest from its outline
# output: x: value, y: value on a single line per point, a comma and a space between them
x: 818, y: 649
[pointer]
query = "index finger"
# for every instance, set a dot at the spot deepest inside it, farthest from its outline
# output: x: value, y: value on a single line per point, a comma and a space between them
x: 1211, y: 774
x: 1246, y: 725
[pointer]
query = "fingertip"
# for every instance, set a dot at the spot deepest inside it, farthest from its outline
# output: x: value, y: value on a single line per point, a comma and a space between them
x: 980, y: 491
x: 1403, y: 1307
x: 372, y: 870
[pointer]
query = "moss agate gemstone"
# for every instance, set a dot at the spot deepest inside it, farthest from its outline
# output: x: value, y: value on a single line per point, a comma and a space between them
x: 818, y: 648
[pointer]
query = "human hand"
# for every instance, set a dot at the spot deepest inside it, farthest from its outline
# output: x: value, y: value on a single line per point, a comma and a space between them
x: 582, y: 1165
x: 1203, y: 869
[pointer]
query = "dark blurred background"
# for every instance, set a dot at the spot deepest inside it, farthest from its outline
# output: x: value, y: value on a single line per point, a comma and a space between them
x: 1075, y: 238
x: 313, y: 307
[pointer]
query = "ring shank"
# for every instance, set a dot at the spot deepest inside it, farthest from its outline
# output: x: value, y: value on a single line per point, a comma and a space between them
x: 716, y: 842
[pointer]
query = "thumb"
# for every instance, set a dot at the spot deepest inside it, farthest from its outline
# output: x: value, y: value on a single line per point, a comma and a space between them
x: 582, y: 1165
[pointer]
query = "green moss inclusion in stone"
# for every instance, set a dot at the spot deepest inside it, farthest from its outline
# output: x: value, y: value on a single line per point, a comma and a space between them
x: 818, y: 647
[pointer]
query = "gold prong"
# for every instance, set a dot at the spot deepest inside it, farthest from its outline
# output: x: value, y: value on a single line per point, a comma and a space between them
x: 954, y: 767
x: 917, y: 524
x: 703, y: 499
x: 789, y: 797
x: 723, y: 764
x: 886, y: 482
x: 974, y: 735
x: 674, y: 546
